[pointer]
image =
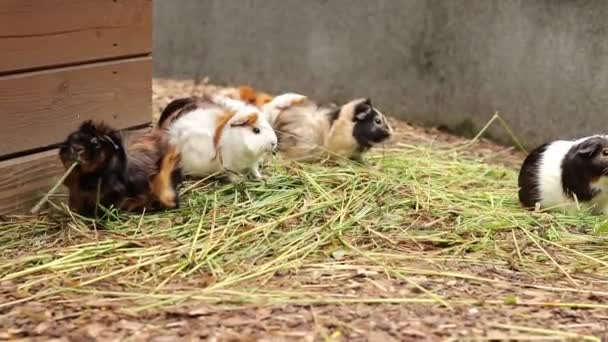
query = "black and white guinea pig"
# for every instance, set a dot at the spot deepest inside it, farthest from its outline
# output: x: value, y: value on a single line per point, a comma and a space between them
x: 308, y: 132
x: 567, y: 175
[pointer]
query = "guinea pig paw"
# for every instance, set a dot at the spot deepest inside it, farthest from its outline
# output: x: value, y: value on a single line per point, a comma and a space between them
x: 235, y: 178
x: 255, y: 174
x: 299, y: 100
x: 358, y: 159
x: 168, y: 199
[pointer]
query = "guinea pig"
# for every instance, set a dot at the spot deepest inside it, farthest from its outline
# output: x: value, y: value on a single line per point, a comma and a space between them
x: 135, y: 172
x: 246, y: 94
x: 308, y: 132
x: 567, y: 175
x: 218, y: 134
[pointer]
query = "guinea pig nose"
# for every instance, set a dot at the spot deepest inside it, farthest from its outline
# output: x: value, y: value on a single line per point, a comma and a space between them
x: 77, y: 151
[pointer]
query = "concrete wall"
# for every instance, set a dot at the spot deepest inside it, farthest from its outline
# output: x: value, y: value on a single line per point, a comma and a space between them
x: 540, y: 63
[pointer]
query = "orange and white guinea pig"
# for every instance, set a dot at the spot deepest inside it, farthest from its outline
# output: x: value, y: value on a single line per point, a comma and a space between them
x: 246, y: 94
x: 218, y: 134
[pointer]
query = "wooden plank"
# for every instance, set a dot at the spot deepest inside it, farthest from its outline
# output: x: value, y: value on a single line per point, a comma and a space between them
x: 36, y: 33
x: 40, y: 108
x: 26, y: 179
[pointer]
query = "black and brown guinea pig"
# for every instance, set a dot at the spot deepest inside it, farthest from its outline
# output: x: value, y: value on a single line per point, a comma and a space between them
x: 306, y: 131
x: 131, y: 172
x: 567, y: 175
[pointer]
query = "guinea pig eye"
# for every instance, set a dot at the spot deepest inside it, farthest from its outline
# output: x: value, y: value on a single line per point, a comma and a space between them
x: 256, y: 130
x: 605, y: 152
x: 95, y: 142
x: 378, y: 121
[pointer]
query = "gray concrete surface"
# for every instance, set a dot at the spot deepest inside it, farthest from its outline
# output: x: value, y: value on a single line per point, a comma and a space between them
x: 540, y: 63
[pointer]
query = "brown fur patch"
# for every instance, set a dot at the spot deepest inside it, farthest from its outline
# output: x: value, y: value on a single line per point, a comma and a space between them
x: 248, y: 94
x: 143, y: 142
x: 339, y: 140
x: 161, y: 185
x: 251, y: 119
x: 298, y: 101
x: 263, y: 99
x: 151, y: 153
x: 248, y: 120
x: 89, y: 166
x: 219, y: 127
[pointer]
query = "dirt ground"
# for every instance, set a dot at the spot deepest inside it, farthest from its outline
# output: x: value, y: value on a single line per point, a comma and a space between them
x: 88, y: 319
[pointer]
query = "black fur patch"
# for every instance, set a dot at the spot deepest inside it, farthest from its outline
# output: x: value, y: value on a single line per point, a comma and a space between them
x: 333, y: 116
x: 173, y: 107
x: 529, y: 193
x: 583, y: 164
x: 367, y: 131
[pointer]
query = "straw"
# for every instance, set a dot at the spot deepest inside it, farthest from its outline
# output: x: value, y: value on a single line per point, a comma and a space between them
x: 45, y: 199
x: 419, y: 216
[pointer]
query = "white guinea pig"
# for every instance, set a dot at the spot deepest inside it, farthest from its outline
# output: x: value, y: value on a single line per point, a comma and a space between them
x: 224, y: 136
x: 565, y: 175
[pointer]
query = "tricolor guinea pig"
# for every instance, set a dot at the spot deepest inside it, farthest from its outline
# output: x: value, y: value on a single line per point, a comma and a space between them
x: 246, y: 94
x: 133, y: 173
x: 565, y: 175
x: 309, y: 132
x: 218, y: 134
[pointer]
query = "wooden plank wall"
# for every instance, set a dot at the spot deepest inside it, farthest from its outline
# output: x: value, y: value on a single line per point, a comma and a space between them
x: 24, y: 180
x: 62, y: 62
x: 36, y: 33
x: 45, y: 105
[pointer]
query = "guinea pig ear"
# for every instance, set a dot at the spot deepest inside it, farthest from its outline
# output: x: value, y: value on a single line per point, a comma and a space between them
x: 588, y: 148
x: 88, y: 127
x: 109, y: 139
x: 246, y: 120
x: 263, y: 99
x: 363, y: 109
x: 247, y: 94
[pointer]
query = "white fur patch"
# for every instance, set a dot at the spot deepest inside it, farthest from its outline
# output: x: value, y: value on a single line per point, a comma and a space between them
x: 550, y: 176
x: 280, y: 103
x: 193, y: 134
